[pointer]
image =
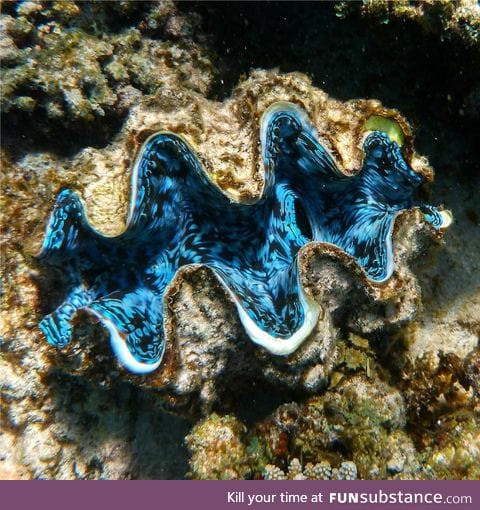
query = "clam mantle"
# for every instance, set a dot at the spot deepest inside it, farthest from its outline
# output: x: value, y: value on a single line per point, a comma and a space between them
x: 179, y: 219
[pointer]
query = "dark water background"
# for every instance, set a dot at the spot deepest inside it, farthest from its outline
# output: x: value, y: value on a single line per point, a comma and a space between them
x: 428, y: 77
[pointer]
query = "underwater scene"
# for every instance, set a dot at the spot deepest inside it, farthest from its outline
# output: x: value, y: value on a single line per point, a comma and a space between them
x: 240, y: 240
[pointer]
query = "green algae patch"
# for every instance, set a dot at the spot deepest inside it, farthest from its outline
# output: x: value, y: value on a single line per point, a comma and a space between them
x: 388, y: 126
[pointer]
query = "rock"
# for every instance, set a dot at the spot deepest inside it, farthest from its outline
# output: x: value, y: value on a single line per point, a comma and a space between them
x: 217, y: 449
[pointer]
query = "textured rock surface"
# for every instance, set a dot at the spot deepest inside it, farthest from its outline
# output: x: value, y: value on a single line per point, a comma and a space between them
x: 460, y: 19
x: 207, y: 348
x: 359, y: 427
x: 217, y: 450
x: 68, y: 66
x: 360, y: 420
x: 72, y: 415
x: 54, y: 425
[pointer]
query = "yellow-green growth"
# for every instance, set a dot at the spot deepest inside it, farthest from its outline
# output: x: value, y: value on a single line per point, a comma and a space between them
x: 386, y: 125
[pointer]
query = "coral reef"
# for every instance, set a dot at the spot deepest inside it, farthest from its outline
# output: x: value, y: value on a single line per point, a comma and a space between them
x: 359, y: 425
x: 320, y: 471
x: 361, y: 420
x: 400, y: 359
x: 201, y: 351
x: 67, y: 68
x: 455, y: 448
x: 61, y: 427
x: 217, y: 449
x: 458, y: 19
x: 53, y: 425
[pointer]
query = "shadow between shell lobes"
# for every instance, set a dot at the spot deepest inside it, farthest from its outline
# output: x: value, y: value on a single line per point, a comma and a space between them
x: 178, y: 217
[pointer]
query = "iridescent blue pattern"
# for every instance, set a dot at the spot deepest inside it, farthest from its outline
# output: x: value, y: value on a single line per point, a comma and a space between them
x: 179, y: 217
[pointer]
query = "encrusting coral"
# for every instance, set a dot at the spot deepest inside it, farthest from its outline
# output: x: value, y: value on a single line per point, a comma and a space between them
x: 217, y: 449
x: 225, y: 138
x: 458, y: 19
x: 66, y: 67
x: 357, y: 429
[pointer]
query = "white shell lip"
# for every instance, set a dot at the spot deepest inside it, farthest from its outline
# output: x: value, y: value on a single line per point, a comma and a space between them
x: 447, y: 219
x: 275, y: 345
x: 120, y: 349
x: 282, y: 106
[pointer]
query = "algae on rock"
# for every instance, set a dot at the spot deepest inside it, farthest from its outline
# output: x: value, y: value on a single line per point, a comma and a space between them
x: 68, y: 68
